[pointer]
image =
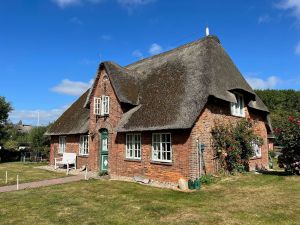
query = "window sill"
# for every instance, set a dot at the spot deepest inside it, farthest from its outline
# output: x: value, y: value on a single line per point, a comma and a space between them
x: 101, y: 116
x: 162, y: 163
x: 83, y: 156
x: 239, y: 116
x: 255, y: 157
x: 133, y: 160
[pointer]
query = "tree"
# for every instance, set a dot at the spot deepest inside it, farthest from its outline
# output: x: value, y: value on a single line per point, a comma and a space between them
x: 280, y: 102
x: 5, y: 108
x: 38, y: 141
x: 289, y: 138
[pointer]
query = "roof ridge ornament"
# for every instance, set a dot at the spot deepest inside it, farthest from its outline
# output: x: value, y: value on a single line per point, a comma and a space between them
x: 207, y: 31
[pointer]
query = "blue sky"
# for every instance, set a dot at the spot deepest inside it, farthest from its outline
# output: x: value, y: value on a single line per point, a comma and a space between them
x: 50, y: 49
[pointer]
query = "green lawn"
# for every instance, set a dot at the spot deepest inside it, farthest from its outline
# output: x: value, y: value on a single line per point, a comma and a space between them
x: 244, y: 199
x: 26, y: 172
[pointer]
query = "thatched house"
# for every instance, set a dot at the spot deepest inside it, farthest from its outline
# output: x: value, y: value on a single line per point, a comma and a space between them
x: 150, y: 117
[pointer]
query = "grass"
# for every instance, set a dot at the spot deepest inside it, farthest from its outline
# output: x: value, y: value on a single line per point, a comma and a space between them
x: 242, y: 199
x: 26, y: 171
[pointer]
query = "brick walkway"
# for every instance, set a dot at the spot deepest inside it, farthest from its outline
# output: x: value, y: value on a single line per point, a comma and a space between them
x: 42, y: 183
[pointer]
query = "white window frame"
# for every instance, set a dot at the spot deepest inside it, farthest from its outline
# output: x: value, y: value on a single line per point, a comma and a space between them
x: 97, y: 106
x: 61, y: 144
x: 238, y: 108
x: 104, y: 105
x: 84, y: 145
x: 101, y: 105
x: 257, y: 150
x: 133, y: 146
x: 158, y: 145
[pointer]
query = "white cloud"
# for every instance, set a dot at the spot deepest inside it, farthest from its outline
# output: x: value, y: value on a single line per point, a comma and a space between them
x: 264, y: 19
x: 292, y: 5
x: 137, y: 53
x: 297, y: 50
x: 258, y: 83
x: 31, y: 116
x: 69, y: 87
x: 155, y: 49
x: 66, y: 3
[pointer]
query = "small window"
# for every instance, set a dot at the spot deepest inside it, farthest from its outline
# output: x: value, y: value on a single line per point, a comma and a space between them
x: 101, y: 105
x: 84, y: 145
x: 105, y: 105
x: 237, y: 109
x: 256, y: 150
x: 161, y: 147
x: 62, y: 144
x: 133, y: 146
x: 97, y: 106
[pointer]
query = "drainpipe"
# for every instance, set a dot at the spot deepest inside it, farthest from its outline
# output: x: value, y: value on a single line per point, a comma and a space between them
x: 199, y: 172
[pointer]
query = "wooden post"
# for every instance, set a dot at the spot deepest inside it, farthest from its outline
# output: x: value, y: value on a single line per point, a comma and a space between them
x: 6, y: 177
x: 67, y: 168
x: 17, y: 182
x: 85, y: 175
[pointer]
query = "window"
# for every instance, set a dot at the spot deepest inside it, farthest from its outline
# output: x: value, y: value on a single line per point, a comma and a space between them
x: 237, y: 109
x: 161, y: 147
x: 97, y: 106
x: 105, y: 105
x: 133, y: 146
x: 62, y: 144
x: 101, y: 105
x: 104, y: 141
x: 84, y: 145
x: 256, y: 150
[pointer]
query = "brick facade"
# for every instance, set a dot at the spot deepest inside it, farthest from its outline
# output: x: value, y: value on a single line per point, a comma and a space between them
x: 185, y: 162
x: 218, y: 111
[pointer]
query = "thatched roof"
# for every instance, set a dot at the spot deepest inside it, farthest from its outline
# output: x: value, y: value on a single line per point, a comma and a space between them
x: 124, y: 81
x: 175, y: 86
x: 169, y: 90
x: 75, y: 120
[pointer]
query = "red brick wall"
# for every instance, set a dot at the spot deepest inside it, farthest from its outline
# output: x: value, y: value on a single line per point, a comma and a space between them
x: 72, y: 145
x: 164, y: 172
x: 218, y: 111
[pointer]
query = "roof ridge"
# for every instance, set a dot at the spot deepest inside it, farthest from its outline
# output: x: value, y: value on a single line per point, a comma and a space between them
x: 175, y: 49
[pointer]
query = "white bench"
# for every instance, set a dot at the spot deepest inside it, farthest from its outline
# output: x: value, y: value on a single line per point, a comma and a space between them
x: 67, y: 159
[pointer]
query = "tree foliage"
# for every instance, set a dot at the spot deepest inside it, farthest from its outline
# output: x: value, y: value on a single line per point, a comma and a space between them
x: 5, y: 108
x: 281, y: 103
x: 38, y: 141
x: 289, y: 138
x: 284, y: 106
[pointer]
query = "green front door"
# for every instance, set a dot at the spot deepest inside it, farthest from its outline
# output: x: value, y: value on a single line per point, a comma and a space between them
x: 103, y: 151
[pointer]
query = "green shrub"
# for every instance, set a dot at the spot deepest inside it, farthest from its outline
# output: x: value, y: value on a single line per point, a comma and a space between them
x: 206, y: 179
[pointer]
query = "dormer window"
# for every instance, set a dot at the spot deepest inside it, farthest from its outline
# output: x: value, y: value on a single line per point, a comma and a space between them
x: 101, y: 105
x: 237, y: 109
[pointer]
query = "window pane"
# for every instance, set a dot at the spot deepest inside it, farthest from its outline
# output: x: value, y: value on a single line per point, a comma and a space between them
x: 133, y: 146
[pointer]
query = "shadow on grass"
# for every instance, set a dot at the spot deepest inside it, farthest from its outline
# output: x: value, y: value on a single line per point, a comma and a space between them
x: 276, y: 172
